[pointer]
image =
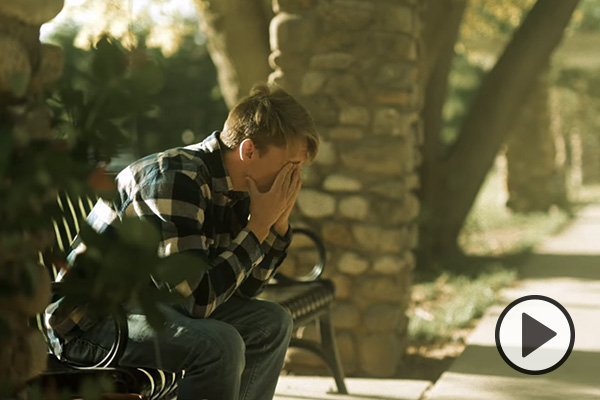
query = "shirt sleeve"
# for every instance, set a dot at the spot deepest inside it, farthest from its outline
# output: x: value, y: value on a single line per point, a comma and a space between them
x: 177, y: 205
x: 275, y: 248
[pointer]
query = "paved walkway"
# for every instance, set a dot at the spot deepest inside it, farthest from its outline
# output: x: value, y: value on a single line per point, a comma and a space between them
x: 566, y: 268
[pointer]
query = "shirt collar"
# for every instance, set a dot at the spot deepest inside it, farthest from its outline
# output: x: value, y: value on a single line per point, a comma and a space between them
x: 221, y: 181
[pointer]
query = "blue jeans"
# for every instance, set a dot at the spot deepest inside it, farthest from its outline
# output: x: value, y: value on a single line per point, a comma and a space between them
x: 237, y: 353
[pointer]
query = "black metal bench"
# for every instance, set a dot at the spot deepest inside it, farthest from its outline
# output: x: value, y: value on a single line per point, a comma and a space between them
x: 308, y: 299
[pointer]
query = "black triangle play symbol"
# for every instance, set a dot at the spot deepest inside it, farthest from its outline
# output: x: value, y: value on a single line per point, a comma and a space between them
x: 534, y: 334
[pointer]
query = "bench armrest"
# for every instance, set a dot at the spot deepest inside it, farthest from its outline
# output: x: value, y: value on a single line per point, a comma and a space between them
x: 317, y: 270
x: 118, y: 347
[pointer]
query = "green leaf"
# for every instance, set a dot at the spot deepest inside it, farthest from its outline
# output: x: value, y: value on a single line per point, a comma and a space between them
x: 139, y: 233
x: 180, y: 267
x: 94, y: 240
x: 150, y: 308
x: 119, y: 104
x: 109, y: 62
x: 147, y: 78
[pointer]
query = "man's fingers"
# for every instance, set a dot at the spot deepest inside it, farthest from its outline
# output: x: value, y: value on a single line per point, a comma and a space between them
x: 294, y: 179
x: 283, y: 176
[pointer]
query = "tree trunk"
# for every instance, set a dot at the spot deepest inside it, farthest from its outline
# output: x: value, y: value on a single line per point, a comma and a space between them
x: 535, y: 174
x: 441, y: 27
x: 237, y: 34
x: 501, y: 95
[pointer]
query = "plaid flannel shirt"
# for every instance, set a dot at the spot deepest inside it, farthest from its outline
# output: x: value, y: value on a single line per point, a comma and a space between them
x: 187, y: 193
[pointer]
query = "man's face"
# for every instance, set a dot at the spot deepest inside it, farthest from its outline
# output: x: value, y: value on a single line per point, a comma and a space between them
x: 266, y: 166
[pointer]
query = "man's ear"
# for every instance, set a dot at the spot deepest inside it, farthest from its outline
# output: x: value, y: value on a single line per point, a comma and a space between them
x: 247, y: 150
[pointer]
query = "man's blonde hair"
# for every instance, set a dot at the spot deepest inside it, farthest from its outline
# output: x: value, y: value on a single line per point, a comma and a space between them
x: 270, y: 116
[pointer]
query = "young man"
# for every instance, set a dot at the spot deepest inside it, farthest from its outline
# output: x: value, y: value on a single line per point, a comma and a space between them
x: 227, y: 198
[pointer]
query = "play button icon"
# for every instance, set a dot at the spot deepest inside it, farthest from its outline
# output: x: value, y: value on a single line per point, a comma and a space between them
x: 535, y: 334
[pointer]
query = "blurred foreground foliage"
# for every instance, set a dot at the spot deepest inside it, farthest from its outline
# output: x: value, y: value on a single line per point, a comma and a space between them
x: 113, y: 101
x: 109, y: 101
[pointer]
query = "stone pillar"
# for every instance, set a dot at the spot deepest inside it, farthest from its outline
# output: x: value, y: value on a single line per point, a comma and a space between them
x: 535, y: 172
x: 354, y: 65
x: 25, y: 67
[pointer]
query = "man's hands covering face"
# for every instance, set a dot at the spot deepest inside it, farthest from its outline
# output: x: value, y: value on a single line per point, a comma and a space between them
x: 273, y: 208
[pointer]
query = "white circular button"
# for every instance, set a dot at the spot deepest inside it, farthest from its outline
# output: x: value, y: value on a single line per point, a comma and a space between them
x: 535, y: 334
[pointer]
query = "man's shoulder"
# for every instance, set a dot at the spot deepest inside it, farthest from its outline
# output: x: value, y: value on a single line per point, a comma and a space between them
x: 168, y: 165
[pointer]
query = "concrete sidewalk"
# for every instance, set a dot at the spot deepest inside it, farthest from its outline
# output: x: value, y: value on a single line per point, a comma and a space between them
x: 323, y: 388
x: 566, y: 268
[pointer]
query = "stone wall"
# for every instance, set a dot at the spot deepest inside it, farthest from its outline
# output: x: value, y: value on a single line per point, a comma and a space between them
x: 354, y: 65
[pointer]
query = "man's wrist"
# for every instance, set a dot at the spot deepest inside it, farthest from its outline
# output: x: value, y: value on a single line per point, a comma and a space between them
x: 281, y: 227
x: 260, y: 232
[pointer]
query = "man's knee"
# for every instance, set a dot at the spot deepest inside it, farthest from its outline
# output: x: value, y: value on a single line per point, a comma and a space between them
x: 230, y: 344
x: 279, y: 319
x: 225, y: 347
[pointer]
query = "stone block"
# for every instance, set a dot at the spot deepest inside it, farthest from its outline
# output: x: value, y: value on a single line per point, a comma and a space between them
x: 350, y: 15
x: 384, y: 317
x: 354, y: 116
x: 345, y: 315
x: 367, y: 236
x: 292, y: 32
x: 389, y: 46
x: 336, y: 41
x: 384, y: 157
x: 31, y: 12
x: 334, y: 61
x: 389, y: 265
x: 311, y: 175
x: 341, y: 183
x: 292, y: 6
x: 412, y: 206
x: 312, y: 82
x: 343, y: 286
x: 397, y: 18
x: 352, y: 264
x: 284, y: 61
x: 354, y: 207
x: 15, y: 68
x: 394, y: 240
x: 323, y: 109
x: 346, y: 133
x: 314, y: 204
x: 412, y: 181
x: 413, y: 236
x: 375, y: 239
x: 397, y: 98
x: 379, y: 354
x: 50, y: 68
x: 327, y: 154
x: 380, y: 289
x: 390, y: 121
x: 392, y: 189
x: 346, y: 87
x: 398, y: 75
x: 338, y: 234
